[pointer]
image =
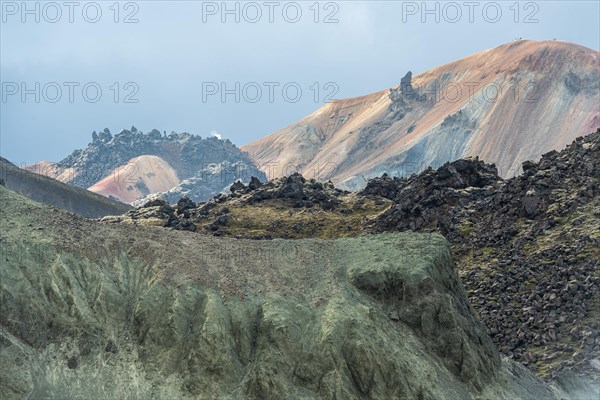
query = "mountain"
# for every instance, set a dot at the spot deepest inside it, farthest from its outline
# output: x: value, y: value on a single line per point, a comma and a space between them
x: 95, y: 310
x: 132, y: 165
x: 505, y: 105
x: 526, y: 248
x: 54, y: 193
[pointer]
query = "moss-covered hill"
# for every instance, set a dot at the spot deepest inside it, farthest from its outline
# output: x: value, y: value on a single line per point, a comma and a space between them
x: 91, y: 310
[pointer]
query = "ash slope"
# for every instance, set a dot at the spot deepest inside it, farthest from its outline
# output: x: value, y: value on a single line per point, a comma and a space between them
x: 54, y: 193
x: 91, y: 310
x: 132, y: 165
x: 506, y: 105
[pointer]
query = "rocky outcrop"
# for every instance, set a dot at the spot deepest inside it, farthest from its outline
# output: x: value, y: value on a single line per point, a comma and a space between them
x: 295, y: 191
x: 429, y: 200
x: 526, y: 248
x: 99, y: 311
x: 402, y: 99
x: 537, y: 233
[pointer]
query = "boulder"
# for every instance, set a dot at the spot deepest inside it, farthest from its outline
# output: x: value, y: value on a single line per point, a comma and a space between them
x: 237, y: 186
x: 185, y: 204
x: 254, y: 183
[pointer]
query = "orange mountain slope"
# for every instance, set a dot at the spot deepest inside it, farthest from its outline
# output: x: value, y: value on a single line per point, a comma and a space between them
x: 141, y: 176
x: 506, y: 105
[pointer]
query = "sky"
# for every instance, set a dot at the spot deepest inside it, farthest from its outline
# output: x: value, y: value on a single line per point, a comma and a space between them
x: 238, y: 70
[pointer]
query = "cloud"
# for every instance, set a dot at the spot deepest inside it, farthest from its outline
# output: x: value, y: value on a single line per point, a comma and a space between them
x: 215, y: 134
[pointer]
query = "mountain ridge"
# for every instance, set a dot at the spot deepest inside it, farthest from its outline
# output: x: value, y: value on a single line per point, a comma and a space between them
x: 58, y: 194
x: 123, y: 165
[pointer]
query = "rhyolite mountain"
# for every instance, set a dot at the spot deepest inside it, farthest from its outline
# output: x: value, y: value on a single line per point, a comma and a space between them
x: 100, y: 311
x: 132, y: 165
x: 505, y: 105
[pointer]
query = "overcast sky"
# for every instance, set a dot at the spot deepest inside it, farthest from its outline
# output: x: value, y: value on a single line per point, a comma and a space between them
x: 165, y: 64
